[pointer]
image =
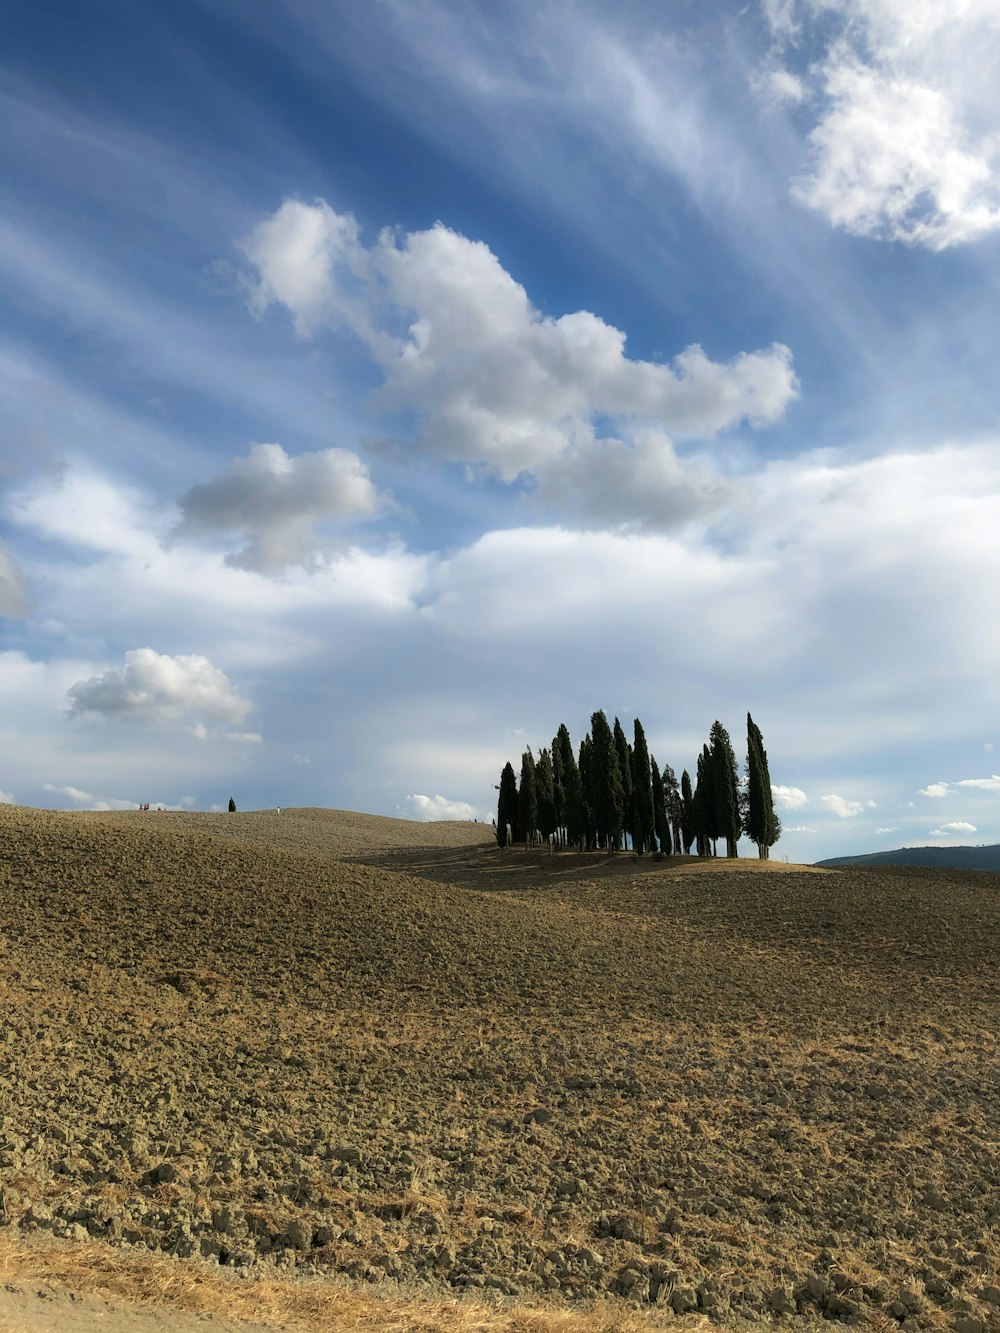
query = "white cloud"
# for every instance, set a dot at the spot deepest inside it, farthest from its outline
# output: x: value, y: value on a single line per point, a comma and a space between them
x: 778, y: 85
x: 117, y: 529
x: 987, y: 746
x: 984, y: 784
x: 6, y: 798
x: 843, y: 808
x: 278, y: 503
x: 934, y: 789
x: 493, y: 380
x: 302, y: 760
x: 155, y: 687
x: 906, y: 146
x: 12, y: 585
x: 949, y: 830
x: 890, y: 828
x: 89, y: 800
x: 788, y: 798
x: 799, y: 828
x: 429, y: 808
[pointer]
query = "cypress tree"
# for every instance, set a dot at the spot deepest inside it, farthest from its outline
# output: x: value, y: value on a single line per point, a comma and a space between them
x: 725, y: 782
x: 586, y: 792
x: 574, y: 810
x: 762, y: 824
x: 558, y: 789
x: 545, y: 794
x: 661, y: 826
x: 702, y: 805
x: 675, y: 808
x: 687, y: 825
x: 642, y: 792
x: 624, y: 752
x: 527, y: 801
x: 506, y: 804
x: 606, y: 794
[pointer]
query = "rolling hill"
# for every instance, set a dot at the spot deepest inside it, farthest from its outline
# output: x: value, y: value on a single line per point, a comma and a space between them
x: 934, y: 858
x: 346, y: 1056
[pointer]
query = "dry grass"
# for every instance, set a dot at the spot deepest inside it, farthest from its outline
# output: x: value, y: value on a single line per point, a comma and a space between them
x: 158, y: 1282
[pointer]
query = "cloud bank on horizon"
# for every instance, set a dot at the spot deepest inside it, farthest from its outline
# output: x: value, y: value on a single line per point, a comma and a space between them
x: 366, y: 424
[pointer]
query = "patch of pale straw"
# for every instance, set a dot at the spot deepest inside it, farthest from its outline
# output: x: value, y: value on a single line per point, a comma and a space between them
x: 154, y: 1280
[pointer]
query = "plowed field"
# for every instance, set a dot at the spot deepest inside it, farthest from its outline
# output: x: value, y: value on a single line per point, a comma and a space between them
x: 614, y: 1091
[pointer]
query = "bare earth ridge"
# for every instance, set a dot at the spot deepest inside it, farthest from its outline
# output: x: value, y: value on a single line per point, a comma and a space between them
x: 328, y: 1070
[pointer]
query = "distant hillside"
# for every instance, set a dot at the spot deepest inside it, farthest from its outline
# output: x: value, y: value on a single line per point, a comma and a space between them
x: 951, y: 858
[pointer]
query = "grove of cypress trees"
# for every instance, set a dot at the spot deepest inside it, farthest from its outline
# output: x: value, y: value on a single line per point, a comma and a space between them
x: 762, y: 824
x: 642, y: 792
x: 506, y: 804
x: 615, y: 790
x: 527, y: 801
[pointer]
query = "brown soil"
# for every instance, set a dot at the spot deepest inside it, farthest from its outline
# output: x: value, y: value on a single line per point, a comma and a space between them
x: 355, y: 1069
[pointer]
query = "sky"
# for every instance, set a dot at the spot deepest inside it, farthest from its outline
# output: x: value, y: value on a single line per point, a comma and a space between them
x: 383, y: 385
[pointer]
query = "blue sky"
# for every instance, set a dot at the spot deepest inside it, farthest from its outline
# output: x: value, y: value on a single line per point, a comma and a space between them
x: 383, y: 385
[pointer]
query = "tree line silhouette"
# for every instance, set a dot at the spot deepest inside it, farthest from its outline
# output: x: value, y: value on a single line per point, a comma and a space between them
x: 613, y: 794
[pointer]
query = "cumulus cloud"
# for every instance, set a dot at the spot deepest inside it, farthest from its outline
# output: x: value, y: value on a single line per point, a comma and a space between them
x: 278, y: 503
x: 302, y: 760
x: 12, y: 585
x: 984, y: 784
x: 906, y: 144
x: 154, y: 687
x: 6, y: 798
x: 949, y: 830
x: 800, y: 828
x: 841, y: 807
x: 495, y: 382
x: 890, y: 828
x: 788, y: 798
x: 430, y: 808
x: 934, y: 789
